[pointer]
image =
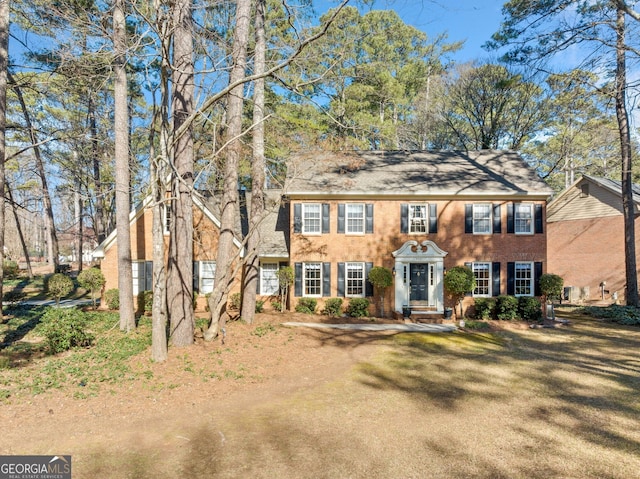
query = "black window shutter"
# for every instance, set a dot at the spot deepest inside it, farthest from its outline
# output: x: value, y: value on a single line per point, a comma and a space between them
x: 258, y: 272
x: 497, y: 225
x: 468, y: 218
x: 325, y: 217
x: 495, y: 279
x: 196, y: 271
x: 433, y: 218
x: 470, y: 266
x: 537, y: 272
x: 297, y: 218
x: 511, y: 280
x: 369, y: 218
x: 341, y: 218
x: 326, y: 279
x: 148, y: 275
x: 368, y: 284
x: 404, y: 218
x: 341, y: 279
x: 510, y: 223
x: 538, y: 219
x: 297, y: 282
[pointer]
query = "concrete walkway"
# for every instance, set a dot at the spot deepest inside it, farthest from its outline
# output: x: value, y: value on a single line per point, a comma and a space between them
x: 412, y: 327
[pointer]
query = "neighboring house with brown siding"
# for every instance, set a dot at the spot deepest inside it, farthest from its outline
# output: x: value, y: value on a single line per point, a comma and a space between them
x: 585, y: 230
x: 418, y: 214
x: 415, y: 213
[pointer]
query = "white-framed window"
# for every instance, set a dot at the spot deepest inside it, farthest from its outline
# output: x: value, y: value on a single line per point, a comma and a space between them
x: 269, y: 284
x: 418, y: 219
x: 523, y: 279
x: 354, y: 280
x: 312, y: 218
x: 312, y: 279
x: 482, y: 273
x: 523, y: 218
x: 142, y: 274
x: 482, y: 218
x: 206, y: 276
x: 355, y: 218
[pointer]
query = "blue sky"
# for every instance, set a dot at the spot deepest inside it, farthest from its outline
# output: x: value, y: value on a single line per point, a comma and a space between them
x: 471, y: 20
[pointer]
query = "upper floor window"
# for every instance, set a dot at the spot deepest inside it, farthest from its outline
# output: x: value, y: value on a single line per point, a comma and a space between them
x: 354, y: 218
x: 418, y: 219
x: 482, y: 273
x: 482, y: 218
x: 311, y: 218
x: 354, y: 278
x: 523, y: 218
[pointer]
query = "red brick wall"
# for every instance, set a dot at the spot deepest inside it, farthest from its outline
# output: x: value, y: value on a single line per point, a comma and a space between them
x: 586, y: 252
x: 205, y: 246
x: 377, y: 247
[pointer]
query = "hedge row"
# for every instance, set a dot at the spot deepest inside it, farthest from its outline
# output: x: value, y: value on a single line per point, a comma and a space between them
x: 508, y: 308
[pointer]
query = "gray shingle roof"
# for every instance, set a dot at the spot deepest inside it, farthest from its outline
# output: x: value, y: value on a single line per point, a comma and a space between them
x: 430, y: 173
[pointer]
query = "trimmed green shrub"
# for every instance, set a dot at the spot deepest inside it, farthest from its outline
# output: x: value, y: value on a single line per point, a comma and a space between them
x: 112, y: 298
x: 276, y: 305
x: 10, y: 269
x: 259, y: 306
x: 333, y: 307
x: 485, y: 308
x: 529, y: 308
x: 358, y: 308
x: 65, y: 328
x: 145, y: 301
x: 506, y: 307
x: 459, y: 281
x: 307, y: 305
x: 551, y: 286
x: 59, y: 285
x: 93, y: 280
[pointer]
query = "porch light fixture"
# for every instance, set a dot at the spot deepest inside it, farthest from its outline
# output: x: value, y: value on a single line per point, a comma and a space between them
x: 393, y: 271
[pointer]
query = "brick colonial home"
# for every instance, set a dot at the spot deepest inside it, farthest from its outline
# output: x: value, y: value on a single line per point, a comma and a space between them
x: 415, y: 213
x: 585, y: 228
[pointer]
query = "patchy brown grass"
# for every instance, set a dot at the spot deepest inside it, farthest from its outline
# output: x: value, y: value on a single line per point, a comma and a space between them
x: 279, y: 402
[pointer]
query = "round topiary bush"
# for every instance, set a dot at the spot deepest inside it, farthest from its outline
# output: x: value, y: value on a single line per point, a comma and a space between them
x: 459, y: 281
x: 93, y: 280
x: 58, y: 286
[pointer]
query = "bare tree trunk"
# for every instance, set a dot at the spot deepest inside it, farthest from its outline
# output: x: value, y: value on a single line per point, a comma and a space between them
x: 99, y: 222
x: 229, y: 206
x: 252, y: 267
x: 4, y: 65
x: 625, y: 149
x: 53, y: 250
x: 25, y: 249
x: 180, y: 265
x: 123, y: 176
x: 159, y: 351
x: 79, y: 224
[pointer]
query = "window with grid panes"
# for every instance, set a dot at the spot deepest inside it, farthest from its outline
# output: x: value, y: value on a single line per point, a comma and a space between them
x: 354, y: 279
